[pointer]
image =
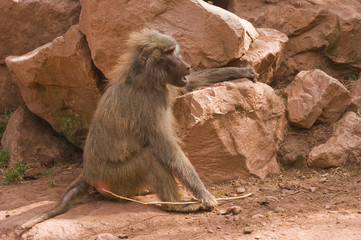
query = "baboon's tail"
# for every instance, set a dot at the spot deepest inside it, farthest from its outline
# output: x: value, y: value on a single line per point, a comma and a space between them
x: 74, y: 192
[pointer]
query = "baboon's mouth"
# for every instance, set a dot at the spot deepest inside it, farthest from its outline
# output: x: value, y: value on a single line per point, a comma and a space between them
x: 185, y: 79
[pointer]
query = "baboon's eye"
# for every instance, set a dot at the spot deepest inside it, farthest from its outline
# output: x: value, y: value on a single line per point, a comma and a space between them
x: 169, y: 50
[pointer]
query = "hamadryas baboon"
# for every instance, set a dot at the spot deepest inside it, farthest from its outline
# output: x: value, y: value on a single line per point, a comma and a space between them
x: 131, y: 145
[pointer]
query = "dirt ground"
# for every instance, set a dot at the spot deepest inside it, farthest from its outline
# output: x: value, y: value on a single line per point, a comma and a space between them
x: 298, y: 203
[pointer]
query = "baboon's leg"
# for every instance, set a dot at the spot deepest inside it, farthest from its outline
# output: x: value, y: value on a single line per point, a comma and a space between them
x: 164, y: 184
x: 74, y: 192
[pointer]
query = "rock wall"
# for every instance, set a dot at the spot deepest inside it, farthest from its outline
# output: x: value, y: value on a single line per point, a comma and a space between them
x: 323, y: 34
x: 228, y: 130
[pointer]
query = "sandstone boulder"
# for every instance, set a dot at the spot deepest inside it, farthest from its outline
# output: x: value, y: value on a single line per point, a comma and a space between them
x: 319, y: 31
x: 356, y: 93
x: 10, y: 97
x: 345, y: 141
x: 294, y: 151
x: 59, y: 84
x: 32, y: 141
x: 265, y: 53
x: 313, y: 95
x: 28, y: 24
x: 231, y: 129
x: 208, y: 35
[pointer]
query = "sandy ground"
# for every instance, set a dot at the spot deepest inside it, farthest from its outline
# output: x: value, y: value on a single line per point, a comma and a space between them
x: 296, y: 204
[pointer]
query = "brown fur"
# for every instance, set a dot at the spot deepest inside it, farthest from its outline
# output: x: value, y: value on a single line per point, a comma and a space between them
x: 131, y: 143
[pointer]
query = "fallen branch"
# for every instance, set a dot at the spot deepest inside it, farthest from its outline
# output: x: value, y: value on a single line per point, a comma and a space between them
x: 173, y: 203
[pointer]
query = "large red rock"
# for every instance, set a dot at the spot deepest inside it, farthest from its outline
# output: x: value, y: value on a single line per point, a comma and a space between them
x: 10, y: 97
x: 59, y: 84
x: 32, y: 141
x: 322, y: 33
x: 28, y: 24
x: 313, y: 95
x: 265, y: 53
x: 344, y: 143
x: 208, y: 35
x: 231, y: 129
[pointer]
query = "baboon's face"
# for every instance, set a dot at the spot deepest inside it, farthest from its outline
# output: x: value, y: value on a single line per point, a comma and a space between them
x: 176, y: 68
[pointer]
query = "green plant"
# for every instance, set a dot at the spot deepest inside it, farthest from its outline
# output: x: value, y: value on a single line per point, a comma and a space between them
x: 3, y: 124
x: 358, y: 111
x: 53, y: 183
x: 48, y: 172
x: 4, y: 158
x: 14, y: 174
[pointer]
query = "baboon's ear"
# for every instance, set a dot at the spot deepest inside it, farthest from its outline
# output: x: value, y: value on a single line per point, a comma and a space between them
x: 142, y: 57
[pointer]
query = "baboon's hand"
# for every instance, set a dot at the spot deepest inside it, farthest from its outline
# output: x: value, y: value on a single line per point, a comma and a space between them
x: 251, y: 74
x: 208, y: 201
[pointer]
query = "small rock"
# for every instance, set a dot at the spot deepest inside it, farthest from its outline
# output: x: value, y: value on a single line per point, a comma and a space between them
x: 7, y: 215
x: 240, y: 190
x: 123, y: 236
x: 257, y: 216
x: 234, y: 210
x: 236, y: 218
x: 312, y: 189
x: 359, y: 211
x: 257, y: 237
x: 327, y: 206
x: 209, y: 231
x: 106, y: 236
x: 219, y: 227
x: 279, y: 209
x: 323, y: 180
x: 247, y: 230
x: 222, y: 212
x: 271, y: 198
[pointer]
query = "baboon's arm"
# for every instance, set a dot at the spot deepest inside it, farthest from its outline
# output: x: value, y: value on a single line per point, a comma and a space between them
x: 208, y: 77
x: 169, y: 152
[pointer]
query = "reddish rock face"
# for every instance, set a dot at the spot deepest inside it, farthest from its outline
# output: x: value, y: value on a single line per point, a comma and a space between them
x: 10, y: 96
x: 209, y: 36
x: 231, y: 129
x: 27, y: 24
x: 322, y: 33
x: 265, y: 53
x: 344, y: 143
x: 32, y: 141
x: 314, y: 95
x: 59, y: 84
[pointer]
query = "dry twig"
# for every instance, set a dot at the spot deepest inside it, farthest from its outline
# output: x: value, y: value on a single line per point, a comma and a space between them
x: 173, y: 203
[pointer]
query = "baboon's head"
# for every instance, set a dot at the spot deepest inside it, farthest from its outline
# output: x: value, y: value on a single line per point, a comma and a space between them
x: 158, y: 54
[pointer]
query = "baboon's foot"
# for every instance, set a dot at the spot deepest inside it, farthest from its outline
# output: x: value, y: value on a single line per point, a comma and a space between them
x: 194, y: 207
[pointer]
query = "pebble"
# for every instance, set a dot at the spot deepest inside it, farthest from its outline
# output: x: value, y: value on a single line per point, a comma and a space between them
x: 222, y: 212
x: 359, y: 211
x: 257, y: 216
x: 312, y: 189
x: 240, y: 190
x: 219, y: 227
x: 236, y: 218
x: 123, y: 236
x: 247, y: 230
x: 327, y: 206
x: 209, y: 231
x: 105, y: 236
x: 323, y: 180
x: 234, y: 210
x: 257, y: 237
x: 272, y: 198
x: 279, y: 209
